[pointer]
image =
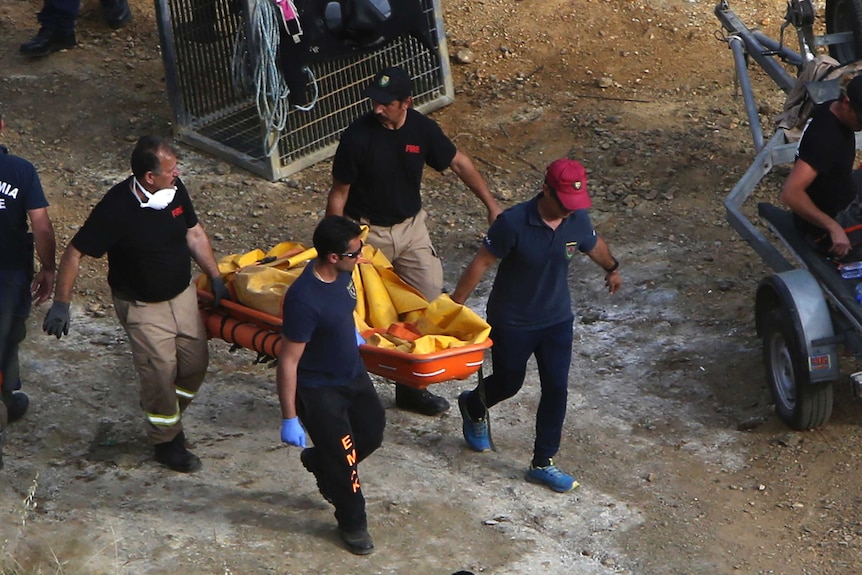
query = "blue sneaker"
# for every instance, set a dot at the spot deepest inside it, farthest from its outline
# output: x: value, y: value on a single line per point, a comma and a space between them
x: 552, y: 477
x: 477, y: 434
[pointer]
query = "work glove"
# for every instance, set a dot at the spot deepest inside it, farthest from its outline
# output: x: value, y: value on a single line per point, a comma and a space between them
x: 292, y: 432
x: 57, y: 320
x: 219, y: 290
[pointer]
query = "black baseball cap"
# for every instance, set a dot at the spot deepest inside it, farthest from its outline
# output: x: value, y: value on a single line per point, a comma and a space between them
x: 389, y: 84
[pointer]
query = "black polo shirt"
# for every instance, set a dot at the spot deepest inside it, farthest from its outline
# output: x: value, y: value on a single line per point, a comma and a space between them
x: 829, y: 147
x: 148, y: 255
x: 384, y: 167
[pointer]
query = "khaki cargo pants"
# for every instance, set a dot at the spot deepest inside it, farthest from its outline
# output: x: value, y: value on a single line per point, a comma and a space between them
x: 408, y: 246
x: 169, y: 347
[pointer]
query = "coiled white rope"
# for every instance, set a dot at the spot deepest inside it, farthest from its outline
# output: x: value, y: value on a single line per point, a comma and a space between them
x: 271, y: 91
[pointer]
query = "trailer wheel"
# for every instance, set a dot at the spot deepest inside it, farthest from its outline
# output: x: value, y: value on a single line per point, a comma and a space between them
x: 845, y: 16
x: 799, y: 403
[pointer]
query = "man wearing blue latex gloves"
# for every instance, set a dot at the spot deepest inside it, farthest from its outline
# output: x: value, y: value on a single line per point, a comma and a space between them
x: 148, y: 227
x: 292, y: 432
x: 322, y: 381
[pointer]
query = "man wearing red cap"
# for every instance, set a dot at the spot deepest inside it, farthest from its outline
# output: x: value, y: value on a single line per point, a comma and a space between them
x: 530, y: 309
x: 376, y: 180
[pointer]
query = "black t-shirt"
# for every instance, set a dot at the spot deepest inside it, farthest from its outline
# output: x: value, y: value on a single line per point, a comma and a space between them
x: 829, y: 147
x: 384, y: 167
x: 320, y: 314
x: 148, y: 257
x: 20, y: 191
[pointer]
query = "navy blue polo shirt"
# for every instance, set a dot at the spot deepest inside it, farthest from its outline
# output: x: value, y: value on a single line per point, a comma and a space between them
x: 531, y: 289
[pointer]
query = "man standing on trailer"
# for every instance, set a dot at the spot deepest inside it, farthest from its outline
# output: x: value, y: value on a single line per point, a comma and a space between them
x: 376, y: 180
x: 822, y: 182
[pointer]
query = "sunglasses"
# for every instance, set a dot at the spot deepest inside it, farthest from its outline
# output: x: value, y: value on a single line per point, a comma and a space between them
x: 353, y: 255
x: 556, y: 198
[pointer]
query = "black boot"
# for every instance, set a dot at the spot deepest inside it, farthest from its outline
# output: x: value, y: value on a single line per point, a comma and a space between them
x: 47, y: 41
x: 17, y: 406
x: 117, y: 13
x: 308, y: 457
x: 358, y: 541
x: 174, y: 455
x: 419, y: 400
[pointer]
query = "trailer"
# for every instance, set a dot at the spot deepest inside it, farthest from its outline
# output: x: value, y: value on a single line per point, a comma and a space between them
x: 804, y: 312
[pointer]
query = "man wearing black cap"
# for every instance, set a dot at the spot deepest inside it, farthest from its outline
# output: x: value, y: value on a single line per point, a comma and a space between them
x: 376, y: 180
x: 821, y: 182
x: 530, y: 310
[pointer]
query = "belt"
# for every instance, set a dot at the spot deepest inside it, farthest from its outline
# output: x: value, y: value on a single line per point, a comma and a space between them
x: 380, y: 222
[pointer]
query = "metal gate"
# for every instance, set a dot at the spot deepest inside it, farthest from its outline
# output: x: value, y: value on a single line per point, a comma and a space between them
x: 216, y: 111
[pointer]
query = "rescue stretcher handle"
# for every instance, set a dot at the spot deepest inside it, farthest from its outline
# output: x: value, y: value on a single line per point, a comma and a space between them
x: 240, y: 309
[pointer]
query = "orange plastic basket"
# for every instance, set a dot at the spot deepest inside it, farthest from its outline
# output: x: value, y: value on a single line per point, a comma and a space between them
x: 421, y: 370
x: 260, y: 332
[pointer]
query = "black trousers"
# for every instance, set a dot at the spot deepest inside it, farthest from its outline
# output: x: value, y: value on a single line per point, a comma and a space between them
x: 346, y: 425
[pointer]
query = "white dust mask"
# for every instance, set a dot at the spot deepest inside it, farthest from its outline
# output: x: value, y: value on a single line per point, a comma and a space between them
x: 157, y: 201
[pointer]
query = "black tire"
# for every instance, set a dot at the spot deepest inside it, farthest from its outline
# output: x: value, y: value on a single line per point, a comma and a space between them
x: 802, y: 405
x: 845, y: 16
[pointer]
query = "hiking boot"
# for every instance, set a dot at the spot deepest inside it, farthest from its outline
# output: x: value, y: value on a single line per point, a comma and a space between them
x: 308, y: 457
x: 477, y: 433
x: 174, y: 455
x: 47, y: 41
x: 552, y: 477
x: 17, y: 406
x: 358, y: 541
x: 117, y: 13
x: 419, y: 401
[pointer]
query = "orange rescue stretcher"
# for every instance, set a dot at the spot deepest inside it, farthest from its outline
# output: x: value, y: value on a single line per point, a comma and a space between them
x: 409, y: 340
x: 259, y: 331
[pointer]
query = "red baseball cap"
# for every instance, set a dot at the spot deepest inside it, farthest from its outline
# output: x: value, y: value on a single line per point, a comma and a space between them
x: 568, y: 179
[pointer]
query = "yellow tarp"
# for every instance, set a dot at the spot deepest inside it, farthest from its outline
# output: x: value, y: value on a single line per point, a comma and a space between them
x: 382, y: 298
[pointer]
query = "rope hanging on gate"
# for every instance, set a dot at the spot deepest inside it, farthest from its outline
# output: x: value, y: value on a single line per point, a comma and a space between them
x: 271, y: 91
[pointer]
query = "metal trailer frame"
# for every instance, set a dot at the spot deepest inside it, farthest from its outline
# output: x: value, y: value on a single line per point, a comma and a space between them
x: 215, y: 114
x: 807, y: 291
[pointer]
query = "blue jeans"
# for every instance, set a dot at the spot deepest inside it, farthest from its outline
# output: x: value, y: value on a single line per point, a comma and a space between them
x: 552, y: 347
x: 59, y: 15
x: 15, y: 302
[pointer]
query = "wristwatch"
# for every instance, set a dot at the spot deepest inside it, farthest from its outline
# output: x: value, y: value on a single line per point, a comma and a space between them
x: 614, y: 267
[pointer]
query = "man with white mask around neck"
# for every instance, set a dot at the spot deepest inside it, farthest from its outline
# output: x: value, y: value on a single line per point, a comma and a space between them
x: 148, y: 227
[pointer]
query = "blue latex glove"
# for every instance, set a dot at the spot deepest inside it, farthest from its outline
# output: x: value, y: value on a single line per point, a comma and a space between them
x: 292, y: 432
x: 219, y: 290
x: 360, y: 340
x: 57, y: 320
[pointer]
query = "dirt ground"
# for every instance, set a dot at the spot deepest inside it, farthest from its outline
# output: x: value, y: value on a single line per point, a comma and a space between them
x: 684, y: 467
